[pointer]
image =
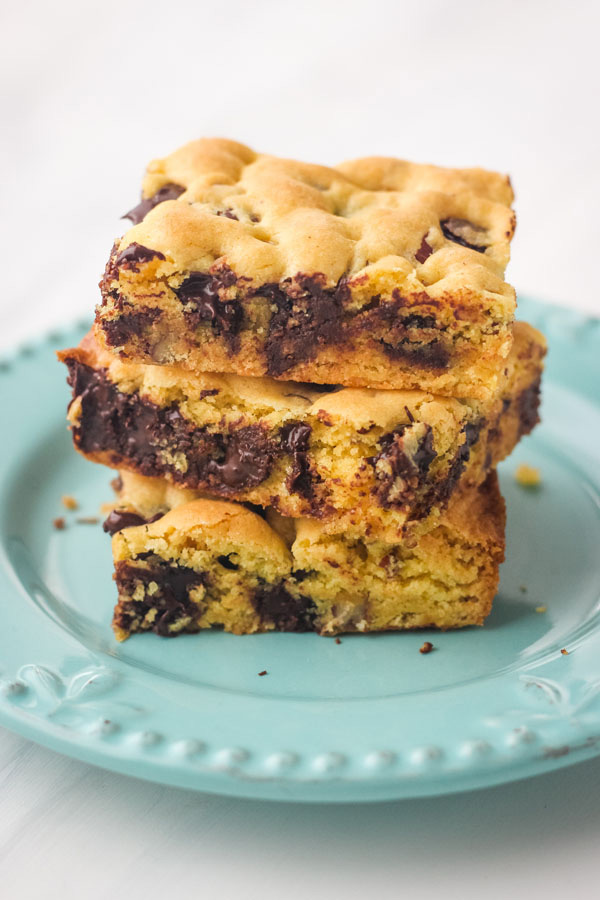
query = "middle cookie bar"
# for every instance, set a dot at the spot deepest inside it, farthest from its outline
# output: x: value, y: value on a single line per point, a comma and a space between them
x: 357, y: 459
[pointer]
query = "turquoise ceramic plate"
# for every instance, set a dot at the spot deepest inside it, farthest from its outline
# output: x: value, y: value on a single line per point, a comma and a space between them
x: 365, y: 719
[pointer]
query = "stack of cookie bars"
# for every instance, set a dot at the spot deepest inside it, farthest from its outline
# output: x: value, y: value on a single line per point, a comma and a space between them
x: 306, y: 377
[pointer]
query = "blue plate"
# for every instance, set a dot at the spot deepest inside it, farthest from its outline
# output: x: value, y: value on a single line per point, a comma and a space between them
x: 366, y: 719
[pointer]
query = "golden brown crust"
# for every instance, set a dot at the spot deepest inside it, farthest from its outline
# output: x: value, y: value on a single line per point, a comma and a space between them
x: 390, y: 250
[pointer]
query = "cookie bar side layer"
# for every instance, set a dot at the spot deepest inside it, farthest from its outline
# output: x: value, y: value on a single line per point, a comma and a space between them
x: 192, y: 569
x: 248, y: 263
x: 361, y: 459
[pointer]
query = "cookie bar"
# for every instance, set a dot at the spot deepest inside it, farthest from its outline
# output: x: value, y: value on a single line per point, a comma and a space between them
x: 212, y: 563
x: 377, y: 273
x: 353, y: 458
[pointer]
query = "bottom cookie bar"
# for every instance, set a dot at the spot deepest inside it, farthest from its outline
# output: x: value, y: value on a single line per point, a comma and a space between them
x: 206, y: 563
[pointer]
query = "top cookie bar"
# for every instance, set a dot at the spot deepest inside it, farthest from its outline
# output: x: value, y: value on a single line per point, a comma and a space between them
x: 376, y: 273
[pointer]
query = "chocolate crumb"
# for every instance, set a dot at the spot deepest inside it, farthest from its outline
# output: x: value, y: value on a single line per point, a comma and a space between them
x: 264, y: 672
x: 69, y: 502
x: 564, y: 652
x: 59, y: 523
x: 427, y: 647
x: 87, y: 520
x: 337, y: 640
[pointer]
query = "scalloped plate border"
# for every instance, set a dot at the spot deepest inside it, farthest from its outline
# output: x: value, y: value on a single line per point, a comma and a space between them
x: 92, y: 711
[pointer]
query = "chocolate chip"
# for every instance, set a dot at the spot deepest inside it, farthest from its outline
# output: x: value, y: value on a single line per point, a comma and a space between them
x: 199, y: 293
x: 432, y: 355
x: 119, y: 519
x: 227, y: 213
x: 465, y: 233
x: 119, y: 331
x: 134, y: 255
x: 295, y: 440
x: 399, y: 473
x: 227, y: 563
x: 277, y: 607
x: 166, y: 192
x: 528, y: 403
x: 246, y: 464
x: 170, y: 599
x: 307, y: 315
x: 424, y: 251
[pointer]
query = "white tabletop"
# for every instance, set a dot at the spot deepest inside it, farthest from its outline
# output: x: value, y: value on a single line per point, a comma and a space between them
x: 98, y: 88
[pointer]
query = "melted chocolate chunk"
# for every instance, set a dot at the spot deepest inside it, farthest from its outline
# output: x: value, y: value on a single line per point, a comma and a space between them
x: 463, y: 232
x: 424, y: 251
x: 152, y: 439
x: 307, y: 315
x: 243, y: 465
x: 134, y: 255
x: 301, y: 479
x: 433, y: 355
x: 528, y: 404
x: 199, y: 294
x: 276, y: 606
x: 390, y: 319
x: 171, y: 599
x: 402, y: 473
x: 440, y: 493
x: 121, y: 518
x: 119, y: 331
x: 166, y: 192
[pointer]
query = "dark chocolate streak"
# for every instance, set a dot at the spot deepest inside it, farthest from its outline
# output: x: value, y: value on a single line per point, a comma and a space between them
x: 276, y: 606
x: 200, y: 297
x: 171, y: 600
x: 137, y: 433
x: 166, y: 192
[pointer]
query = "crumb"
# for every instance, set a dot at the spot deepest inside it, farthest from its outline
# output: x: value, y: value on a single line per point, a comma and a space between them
x: 427, y: 647
x: 523, y: 589
x: 564, y: 652
x: 69, y: 502
x: 337, y: 640
x: 87, y: 520
x: 264, y: 672
x: 528, y: 476
x: 59, y: 523
x: 540, y: 609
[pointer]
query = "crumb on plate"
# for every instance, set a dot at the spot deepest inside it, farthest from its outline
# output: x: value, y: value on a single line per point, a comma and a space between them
x: 528, y: 476
x: 59, y: 523
x: 427, y: 647
x: 69, y: 502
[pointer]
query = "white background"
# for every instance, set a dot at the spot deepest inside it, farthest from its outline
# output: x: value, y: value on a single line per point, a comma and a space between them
x: 90, y: 92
